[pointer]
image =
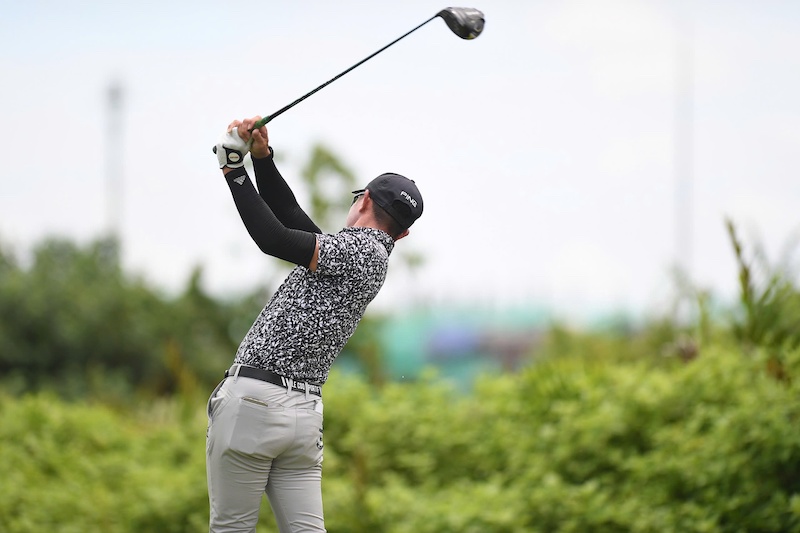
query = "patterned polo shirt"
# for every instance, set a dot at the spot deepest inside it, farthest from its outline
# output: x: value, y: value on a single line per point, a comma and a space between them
x: 311, y: 316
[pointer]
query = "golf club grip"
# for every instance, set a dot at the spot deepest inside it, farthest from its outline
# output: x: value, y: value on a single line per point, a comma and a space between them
x: 263, y: 121
x: 257, y: 125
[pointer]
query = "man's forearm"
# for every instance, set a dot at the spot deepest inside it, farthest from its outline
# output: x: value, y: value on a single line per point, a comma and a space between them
x: 279, y: 196
x: 271, y: 236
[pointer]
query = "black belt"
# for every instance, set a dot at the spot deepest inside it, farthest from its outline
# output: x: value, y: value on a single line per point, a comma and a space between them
x: 275, y: 379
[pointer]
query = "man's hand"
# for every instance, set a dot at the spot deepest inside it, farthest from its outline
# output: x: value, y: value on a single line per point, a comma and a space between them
x: 259, y: 139
x: 231, y: 148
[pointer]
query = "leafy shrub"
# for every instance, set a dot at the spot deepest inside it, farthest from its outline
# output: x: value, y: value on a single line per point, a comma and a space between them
x: 74, y: 320
x: 574, y: 445
x: 567, y: 445
x: 80, y: 467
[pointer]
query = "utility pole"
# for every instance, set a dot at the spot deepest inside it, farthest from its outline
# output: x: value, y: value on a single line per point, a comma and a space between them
x: 684, y: 158
x: 684, y: 144
x: 114, y: 163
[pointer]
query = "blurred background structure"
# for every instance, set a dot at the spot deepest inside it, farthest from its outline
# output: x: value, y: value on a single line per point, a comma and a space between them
x: 115, y: 164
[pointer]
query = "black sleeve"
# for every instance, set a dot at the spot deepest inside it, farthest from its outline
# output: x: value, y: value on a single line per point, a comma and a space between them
x: 272, y: 237
x: 279, y: 197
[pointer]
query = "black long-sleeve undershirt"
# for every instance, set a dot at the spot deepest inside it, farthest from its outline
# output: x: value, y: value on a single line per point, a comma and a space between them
x: 267, y: 231
x: 279, y: 197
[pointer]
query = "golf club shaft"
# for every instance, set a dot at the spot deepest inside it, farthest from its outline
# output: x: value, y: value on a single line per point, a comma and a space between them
x: 286, y: 108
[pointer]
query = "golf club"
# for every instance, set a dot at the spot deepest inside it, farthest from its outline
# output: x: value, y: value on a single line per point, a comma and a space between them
x: 465, y: 22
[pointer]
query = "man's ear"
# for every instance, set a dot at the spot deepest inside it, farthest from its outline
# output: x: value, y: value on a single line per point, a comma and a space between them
x: 406, y: 232
x: 363, y: 207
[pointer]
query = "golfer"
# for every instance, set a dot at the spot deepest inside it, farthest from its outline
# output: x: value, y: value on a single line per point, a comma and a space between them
x: 265, y: 417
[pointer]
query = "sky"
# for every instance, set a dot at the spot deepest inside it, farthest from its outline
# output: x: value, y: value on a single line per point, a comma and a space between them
x: 570, y: 157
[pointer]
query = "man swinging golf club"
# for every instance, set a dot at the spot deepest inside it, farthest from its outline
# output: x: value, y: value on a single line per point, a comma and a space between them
x: 265, y: 417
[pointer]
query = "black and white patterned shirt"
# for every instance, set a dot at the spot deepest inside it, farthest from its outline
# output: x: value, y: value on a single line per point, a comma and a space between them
x: 311, y: 316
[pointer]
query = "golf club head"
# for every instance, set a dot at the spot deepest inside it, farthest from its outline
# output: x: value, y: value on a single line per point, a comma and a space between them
x: 466, y: 22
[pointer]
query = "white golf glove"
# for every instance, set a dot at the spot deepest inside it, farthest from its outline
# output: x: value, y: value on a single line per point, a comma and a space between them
x: 231, y: 149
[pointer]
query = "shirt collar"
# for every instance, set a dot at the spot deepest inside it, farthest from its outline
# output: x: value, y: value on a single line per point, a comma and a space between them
x: 379, y: 235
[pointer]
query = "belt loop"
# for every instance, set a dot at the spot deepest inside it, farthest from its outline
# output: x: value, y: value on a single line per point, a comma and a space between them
x: 305, y: 386
x: 236, y: 373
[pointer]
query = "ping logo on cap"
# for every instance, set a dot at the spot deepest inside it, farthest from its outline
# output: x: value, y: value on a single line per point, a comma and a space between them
x: 408, y: 197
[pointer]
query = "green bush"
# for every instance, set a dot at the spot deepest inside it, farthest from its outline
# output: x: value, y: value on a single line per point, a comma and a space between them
x: 573, y: 445
x: 80, y: 467
x: 567, y: 445
x: 73, y: 321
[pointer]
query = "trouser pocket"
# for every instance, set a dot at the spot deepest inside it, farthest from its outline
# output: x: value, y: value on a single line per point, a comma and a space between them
x: 259, y: 428
x: 307, y: 450
x: 213, y: 400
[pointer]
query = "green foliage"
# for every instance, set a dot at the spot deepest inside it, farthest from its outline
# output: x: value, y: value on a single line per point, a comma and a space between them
x: 573, y: 445
x: 568, y: 445
x: 75, y: 323
x: 769, y: 301
x: 80, y: 467
x: 769, y: 308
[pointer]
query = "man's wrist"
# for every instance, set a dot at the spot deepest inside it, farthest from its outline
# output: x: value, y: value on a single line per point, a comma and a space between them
x: 269, y: 155
x: 235, y: 174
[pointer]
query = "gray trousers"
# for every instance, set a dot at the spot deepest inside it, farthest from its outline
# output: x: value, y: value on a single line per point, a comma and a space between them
x: 264, y: 438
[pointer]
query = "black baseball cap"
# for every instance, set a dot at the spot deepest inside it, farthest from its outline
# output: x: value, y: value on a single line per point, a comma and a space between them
x: 398, y: 196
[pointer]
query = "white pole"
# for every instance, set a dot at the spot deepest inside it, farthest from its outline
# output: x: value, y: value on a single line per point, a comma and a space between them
x: 114, y: 163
